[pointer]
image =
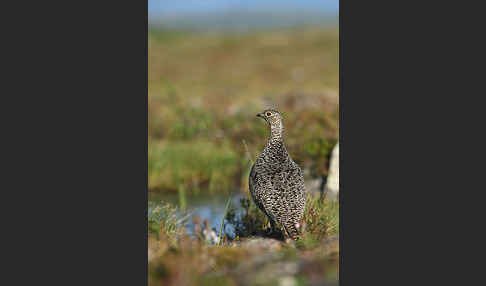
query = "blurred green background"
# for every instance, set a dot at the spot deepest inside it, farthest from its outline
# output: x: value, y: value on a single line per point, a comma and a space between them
x: 213, y: 65
x: 206, y: 88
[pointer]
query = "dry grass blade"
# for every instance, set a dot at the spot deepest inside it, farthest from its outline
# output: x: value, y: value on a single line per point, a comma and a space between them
x: 222, y: 220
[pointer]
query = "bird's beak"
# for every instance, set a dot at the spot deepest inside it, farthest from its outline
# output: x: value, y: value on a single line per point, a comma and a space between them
x: 260, y: 115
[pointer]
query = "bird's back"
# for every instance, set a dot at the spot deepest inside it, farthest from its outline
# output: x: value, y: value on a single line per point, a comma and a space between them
x: 277, y: 187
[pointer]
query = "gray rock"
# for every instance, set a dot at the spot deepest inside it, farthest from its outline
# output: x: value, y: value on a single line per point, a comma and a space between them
x: 259, y: 243
x: 313, y: 186
x: 332, y: 185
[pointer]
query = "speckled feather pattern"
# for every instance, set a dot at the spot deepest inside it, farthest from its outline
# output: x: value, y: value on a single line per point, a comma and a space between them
x: 276, y: 182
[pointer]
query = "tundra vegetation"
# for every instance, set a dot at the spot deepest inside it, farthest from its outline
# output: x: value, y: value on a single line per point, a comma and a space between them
x: 204, y: 92
x: 177, y: 257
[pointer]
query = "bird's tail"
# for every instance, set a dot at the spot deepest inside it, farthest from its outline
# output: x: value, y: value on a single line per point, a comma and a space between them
x: 294, y: 230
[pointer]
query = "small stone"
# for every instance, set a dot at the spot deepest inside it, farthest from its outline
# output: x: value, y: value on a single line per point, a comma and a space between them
x: 287, y: 281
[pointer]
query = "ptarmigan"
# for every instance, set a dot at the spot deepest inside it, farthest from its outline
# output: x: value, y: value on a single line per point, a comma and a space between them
x: 276, y: 182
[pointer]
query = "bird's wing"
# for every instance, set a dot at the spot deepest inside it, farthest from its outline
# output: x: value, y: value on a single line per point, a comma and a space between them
x: 257, y: 189
x: 297, y: 185
x: 290, y: 196
x: 280, y: 195
x: 265, y: 196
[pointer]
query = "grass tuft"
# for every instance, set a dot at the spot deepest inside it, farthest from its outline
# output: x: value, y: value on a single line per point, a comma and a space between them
x: 191, y: 165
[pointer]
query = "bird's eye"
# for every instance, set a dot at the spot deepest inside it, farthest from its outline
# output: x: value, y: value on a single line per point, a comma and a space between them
x: 269, y: 113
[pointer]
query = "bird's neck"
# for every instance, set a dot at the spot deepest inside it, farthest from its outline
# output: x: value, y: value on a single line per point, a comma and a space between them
x: 276, y: 134
x: 275, y: 149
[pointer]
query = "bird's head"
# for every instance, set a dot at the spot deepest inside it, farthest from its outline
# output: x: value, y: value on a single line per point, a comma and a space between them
x: 272, y: 117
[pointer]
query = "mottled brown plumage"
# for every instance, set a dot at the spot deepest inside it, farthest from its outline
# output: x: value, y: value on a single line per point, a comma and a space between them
x: 276, y: 181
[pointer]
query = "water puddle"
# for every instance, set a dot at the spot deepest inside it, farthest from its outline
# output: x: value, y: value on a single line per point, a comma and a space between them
x: 203, y: 205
